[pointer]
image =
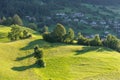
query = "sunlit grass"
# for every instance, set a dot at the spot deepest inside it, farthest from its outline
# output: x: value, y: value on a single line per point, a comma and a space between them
x: 63, y: 62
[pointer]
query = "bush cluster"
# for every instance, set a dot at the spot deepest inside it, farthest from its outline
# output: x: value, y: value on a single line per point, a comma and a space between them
x: 59, y: 34
x: 17, y: 33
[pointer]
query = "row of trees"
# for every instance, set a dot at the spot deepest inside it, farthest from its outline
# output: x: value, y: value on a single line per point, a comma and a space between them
x: 110, y: 41
x: 11, y: 20
x: 59, y: 34
x: 17, y: 33
x: 38, y: 54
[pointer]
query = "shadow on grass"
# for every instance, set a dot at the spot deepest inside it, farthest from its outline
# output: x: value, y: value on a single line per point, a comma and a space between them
x: 41, y: 43
x: 24, y: 57
x: 89, y: 49
x: 23, y: 68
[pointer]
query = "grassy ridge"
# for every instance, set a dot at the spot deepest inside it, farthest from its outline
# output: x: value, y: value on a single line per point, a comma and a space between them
x: 63, y: 62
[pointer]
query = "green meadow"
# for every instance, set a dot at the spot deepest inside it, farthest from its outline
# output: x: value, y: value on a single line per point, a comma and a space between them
x: 63, y: 61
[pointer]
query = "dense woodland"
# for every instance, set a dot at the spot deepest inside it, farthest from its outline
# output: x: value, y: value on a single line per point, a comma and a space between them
x: 103, y: 2
x: 73, y: 14
x: 43, y: 7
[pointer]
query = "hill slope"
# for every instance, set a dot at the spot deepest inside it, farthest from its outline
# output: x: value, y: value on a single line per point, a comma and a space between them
x: 63, y: 62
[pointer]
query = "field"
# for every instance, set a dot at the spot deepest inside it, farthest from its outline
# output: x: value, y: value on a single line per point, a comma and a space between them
x: 63, y: 61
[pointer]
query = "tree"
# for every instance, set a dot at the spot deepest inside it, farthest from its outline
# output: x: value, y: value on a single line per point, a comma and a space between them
x: 78, y: 36
x: 15, y: 33
x: 83, y: 41
x: 45, y: 29
x: 38, y: 54
x: 9, y: 21
x: 112, y: 42
x: 17, y: 20
x: 3, y: 20
x: 32, y: 26
x: 25, y: 34
x: 48, y: 37
x: 69, y: 36
x: 96, y: 41
x: 58, y: 33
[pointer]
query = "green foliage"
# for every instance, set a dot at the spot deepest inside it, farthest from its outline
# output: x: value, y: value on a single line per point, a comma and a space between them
x: 26, y: 34
x: 96, y: 41
x: 82, y: 40
x: 32, y: 26
x: 58, y: 33
x: 48, y: 37
x: 45, y: 29
x: 69, y: 36
x: 17, y: 20
x: 38, y: 54
x: 4, y: 18
x: 112, y: 42
x: 40, y: 62
x: 15, y: 33
x: 9, y: 21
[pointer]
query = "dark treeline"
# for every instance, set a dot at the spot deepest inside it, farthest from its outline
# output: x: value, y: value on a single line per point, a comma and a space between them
x: 42, y: 7
x: 102, y: 2
x: 33, y: 7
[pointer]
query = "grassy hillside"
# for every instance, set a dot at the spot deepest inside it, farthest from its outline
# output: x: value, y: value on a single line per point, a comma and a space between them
x: 63, y: 62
